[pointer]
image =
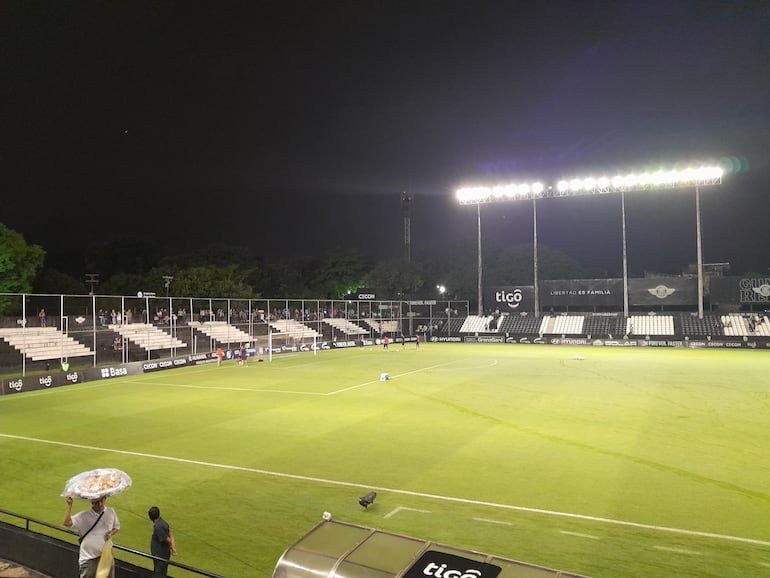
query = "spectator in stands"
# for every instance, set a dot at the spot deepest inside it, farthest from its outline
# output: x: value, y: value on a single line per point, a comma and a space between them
x: 162, y: 543
x: 94, y: 527
x: 41, y: 317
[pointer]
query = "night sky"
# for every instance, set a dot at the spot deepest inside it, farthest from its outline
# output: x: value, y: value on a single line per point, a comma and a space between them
x: 294, y: 127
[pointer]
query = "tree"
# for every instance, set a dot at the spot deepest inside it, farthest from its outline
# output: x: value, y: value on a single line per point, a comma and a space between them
x: 394, y: 279
x: 213, y: 281
x: 341, y: 272
x: 54, y: 281
x: 19, y: 264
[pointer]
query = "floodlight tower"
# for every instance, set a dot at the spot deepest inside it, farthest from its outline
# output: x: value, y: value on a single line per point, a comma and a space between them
x: 406, y: 213
x: 482, y: 195
x: 92, y: 279
x: 646, y: 180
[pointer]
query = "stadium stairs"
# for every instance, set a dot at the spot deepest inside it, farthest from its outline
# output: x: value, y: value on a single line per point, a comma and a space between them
x: 147, y: 336
x: 43, y: 343
x: 601, y: 325
x: 222, y: 332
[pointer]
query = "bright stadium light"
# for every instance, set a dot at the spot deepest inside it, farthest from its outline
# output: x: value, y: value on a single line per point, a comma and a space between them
x: 647, y: 180
x: 694, y: 176
x: 501, y: 192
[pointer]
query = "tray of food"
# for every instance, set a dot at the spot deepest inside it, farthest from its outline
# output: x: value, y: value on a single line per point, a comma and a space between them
x: 97, y: 484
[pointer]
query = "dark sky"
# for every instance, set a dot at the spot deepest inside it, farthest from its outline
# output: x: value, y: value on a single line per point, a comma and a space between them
x: 294, y: 127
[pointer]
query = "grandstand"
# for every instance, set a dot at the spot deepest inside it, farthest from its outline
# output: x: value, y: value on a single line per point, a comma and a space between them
x: 43, y: 343
x: 221, y: 332
x: 663, y: 310
x: 383, y: 326
x: 147, y: 336
x: 344, y: 326
x: 294, y: 329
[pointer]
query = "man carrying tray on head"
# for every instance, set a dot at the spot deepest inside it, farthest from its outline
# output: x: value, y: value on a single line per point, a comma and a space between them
x: 94, y: 528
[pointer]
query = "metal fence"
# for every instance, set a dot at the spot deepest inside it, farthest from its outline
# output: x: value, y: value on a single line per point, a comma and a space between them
x: 45, y: 330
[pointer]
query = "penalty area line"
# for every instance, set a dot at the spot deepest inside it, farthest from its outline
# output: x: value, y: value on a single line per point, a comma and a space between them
x: 450, y: 499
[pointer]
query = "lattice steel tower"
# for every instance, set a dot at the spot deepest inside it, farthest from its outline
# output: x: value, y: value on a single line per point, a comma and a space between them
x: 406, y: 213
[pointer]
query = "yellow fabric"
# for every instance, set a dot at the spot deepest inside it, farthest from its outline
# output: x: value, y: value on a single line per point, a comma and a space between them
x: 105, y: 562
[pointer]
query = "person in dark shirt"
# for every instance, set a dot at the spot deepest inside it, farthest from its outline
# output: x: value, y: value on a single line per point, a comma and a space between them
x: 162, y: 543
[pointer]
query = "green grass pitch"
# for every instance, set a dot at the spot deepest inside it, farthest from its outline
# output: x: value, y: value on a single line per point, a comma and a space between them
x: 644, y: 463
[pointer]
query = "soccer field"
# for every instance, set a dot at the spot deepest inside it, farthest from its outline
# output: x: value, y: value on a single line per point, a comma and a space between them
x: 643, y: 463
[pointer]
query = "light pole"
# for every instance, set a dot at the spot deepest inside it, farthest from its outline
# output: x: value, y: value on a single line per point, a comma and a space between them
x: 481, y: 306
x: 92, y: 279
x: 448, y: 310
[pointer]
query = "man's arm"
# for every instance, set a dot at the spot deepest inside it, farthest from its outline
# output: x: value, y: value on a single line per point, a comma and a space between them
x: 68, y: 513
x: 115, y: 527
x: 171, y: 542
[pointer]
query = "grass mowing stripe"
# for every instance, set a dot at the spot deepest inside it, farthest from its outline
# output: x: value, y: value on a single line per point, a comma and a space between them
x: 403, y: 492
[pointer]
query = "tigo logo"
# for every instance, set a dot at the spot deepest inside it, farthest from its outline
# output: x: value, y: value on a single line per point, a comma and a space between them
x: 442, y: 565
x: 510, y: 298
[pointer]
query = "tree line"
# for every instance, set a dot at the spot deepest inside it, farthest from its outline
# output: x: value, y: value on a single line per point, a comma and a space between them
x: 125, y: 266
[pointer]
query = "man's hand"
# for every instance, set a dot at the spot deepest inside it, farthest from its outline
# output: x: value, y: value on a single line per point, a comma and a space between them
x: 68, y: 513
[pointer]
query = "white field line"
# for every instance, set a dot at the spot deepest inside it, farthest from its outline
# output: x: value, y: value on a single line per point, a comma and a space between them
x: 488, y: 521
x: 287, y: 391
x: 451, y: 499
x: 249, y: 389
x: 579, y: 535
x: 677, y: 550
x: 344, y: 389
x: 404, y: 508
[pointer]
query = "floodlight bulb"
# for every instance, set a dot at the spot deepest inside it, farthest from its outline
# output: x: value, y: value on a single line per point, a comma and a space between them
x: 537, y: 188
x: 562, y: 186
x: 575, y: 185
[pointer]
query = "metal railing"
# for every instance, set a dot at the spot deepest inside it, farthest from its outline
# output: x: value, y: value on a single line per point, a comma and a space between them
x: 28, y: 520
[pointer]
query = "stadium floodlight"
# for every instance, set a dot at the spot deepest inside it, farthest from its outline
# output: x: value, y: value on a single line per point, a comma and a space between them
x: 646, y: 180
x: 502, y: 192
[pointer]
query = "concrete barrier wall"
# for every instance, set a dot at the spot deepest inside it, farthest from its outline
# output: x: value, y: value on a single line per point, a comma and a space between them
x: 52, y: 556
